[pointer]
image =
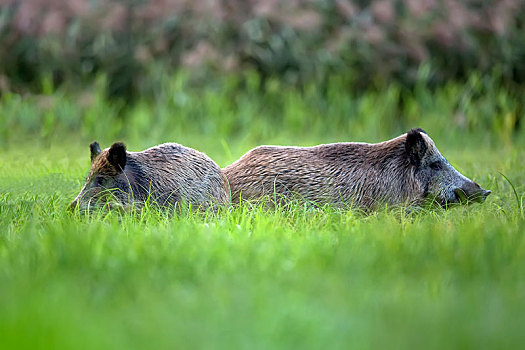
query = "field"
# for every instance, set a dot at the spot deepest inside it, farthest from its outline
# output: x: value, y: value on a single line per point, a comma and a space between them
x: 296, y: 277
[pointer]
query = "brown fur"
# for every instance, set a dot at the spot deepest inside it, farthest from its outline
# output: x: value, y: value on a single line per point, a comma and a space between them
x: 343, y: 174
x: 166, y: 174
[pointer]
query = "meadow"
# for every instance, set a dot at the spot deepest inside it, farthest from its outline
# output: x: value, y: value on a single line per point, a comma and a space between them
x: 249, y: 277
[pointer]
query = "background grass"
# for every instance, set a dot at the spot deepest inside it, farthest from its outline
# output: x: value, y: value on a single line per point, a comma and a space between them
x: 297, y: 277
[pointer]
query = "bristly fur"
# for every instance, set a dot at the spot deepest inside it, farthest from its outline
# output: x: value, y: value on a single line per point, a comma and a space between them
x: 167, y: 175
x: 343, y: 174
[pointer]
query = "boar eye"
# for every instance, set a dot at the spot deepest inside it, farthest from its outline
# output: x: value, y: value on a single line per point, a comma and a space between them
x: 435, y: 166
x: 99, y: 180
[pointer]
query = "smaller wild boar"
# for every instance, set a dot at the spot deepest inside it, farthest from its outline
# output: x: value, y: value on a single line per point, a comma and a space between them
x: 167, y: 175
x: 407, y: 170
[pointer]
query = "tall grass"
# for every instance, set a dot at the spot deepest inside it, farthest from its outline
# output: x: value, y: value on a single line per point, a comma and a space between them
x: 249, y: 277
x: 233, y: 111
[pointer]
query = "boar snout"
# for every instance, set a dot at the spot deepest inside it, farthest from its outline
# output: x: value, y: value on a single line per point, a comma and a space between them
x: 471, y: 192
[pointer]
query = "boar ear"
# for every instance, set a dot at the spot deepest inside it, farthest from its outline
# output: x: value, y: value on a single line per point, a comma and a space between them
x: 415, y: 146
x: 117, y: 156
x: 95, y: 149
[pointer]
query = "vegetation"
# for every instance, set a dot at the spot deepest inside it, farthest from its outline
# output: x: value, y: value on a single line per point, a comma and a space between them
x: 294, y: 277
x: 368, y: 44
x: 233, y: 112
x: 223, y: 77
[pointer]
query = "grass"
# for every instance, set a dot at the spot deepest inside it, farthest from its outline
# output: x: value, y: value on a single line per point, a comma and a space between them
x: 250, y: 278
x: 253, y: 278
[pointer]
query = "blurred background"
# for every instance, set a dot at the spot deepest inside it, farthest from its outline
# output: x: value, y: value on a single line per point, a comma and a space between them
x: 222, y: 76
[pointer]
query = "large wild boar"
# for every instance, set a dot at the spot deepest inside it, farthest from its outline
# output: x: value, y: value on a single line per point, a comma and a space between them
x: 166, y: 175
x: 407, y: 170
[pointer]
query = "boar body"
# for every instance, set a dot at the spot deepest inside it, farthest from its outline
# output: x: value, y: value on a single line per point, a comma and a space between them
x: 166, y: 175
x: 407, y: 170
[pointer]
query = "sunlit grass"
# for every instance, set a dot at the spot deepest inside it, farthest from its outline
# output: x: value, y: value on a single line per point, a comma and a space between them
x: 295, y: 276
x: 252, y: 277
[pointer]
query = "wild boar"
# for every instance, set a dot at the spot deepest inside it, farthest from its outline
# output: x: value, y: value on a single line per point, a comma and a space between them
x: 407, y: 170
x: 167, y: 175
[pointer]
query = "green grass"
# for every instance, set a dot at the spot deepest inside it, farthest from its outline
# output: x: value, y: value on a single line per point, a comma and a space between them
x: 250, y: 278
x: 296, y: 277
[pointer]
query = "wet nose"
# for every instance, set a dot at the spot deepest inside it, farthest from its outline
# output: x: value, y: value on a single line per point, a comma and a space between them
x: 471, y: 192
x: 483, y: 195
x: 483, y: 192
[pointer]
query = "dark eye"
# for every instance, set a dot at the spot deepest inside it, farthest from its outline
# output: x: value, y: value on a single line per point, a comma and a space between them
x: 435, y: 166
x: 99, y: 180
